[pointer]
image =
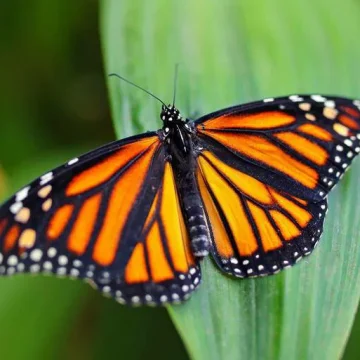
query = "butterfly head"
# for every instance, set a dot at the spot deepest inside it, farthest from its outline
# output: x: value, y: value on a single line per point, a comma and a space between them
x: 170, y: 114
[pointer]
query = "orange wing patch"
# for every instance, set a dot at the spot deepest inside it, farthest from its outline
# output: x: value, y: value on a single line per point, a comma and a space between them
x: 349, y: 122
x: 84, y: 225
x: 159, y: 265
x: 59, y: 220
x: 301, y: 215
x: 218, y: 228
x: 315, y: 131
x: 11, y: 237
x: 262, y: 150
x: 305, y: 147
x: 301, y: 201
x: 136, y: 270
x: 103, y: 171
x: 264, y: 120
x: 174, y: 225
x: 287, y: 228
x: 270, y: 240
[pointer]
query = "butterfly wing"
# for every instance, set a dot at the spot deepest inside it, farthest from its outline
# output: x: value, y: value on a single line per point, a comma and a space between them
x: 264, y: 173
x: 100, y: 217
x: 161, y: 268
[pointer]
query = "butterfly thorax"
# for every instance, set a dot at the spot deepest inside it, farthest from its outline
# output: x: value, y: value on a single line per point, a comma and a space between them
x: 176, y: 131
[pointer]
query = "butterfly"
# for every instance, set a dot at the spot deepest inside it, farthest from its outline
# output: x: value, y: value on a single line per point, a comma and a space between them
x: 247, y: 184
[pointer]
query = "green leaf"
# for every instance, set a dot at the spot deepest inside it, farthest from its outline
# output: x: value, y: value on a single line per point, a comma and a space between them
x: 232, y: 52
x: 37, y: 314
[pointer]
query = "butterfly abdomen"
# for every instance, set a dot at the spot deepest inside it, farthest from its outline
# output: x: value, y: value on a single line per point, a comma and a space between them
x: 194, y: 215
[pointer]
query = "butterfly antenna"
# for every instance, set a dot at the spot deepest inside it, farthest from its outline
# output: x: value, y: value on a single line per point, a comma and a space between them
x: 175, y: 82
x: 137, y: 86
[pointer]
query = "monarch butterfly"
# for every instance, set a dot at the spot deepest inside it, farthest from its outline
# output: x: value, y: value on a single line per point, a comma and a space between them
x: 247, y: 184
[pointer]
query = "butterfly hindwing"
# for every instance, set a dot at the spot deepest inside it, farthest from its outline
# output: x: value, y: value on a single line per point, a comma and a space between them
x: 101, y: 217
x: 256, y: 229
x: 264, y: 174
x: 162, y: 268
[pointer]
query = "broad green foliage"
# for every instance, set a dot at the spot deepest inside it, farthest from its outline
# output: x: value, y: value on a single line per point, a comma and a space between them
x: 232, y: 52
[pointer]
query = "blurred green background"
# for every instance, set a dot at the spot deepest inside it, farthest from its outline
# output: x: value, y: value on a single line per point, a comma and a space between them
x: 54, y: 106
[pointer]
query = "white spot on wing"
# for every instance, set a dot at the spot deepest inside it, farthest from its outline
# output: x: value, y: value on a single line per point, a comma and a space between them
x: 12, y: 260
x: 15, y: 207
x: 77, y: 263
x: 47, y: 265
x: 330, y: 104
x: 295, y: 98
x: 74, y: 272
x: 22, y: 194
x: 348, y: 142
x: 52, y: 252
x: 46, y: 178
x: 63, y: 260
x: 73, y: 161
x: 36, y: 255
x: 35, y: 268
x: 20, y: 267
x: 318, y: 98
x: 339, y: 148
